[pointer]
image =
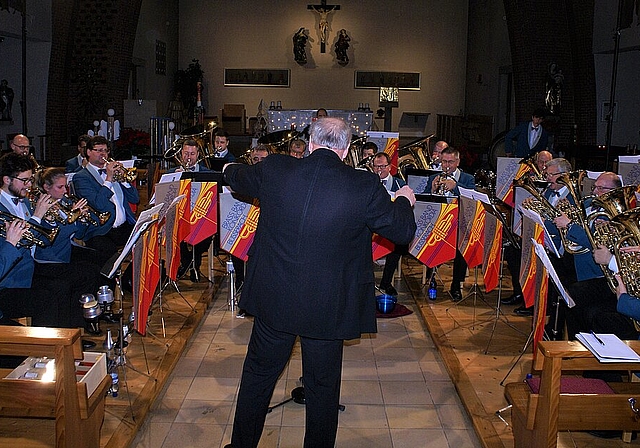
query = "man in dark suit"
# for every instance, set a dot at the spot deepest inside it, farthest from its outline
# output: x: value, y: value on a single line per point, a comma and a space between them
x: 310, y: 273
x: 76, y: 163
x: 530, y: 137
x: 447, y: 183
x: 95, y: 182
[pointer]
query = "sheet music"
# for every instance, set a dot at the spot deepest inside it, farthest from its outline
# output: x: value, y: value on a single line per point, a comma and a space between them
x: 170, y: 177
x: 133, y: 238
x: 466, y: 192
x: 628, y: 159
x: 127, y: 163
x: 542, y: 255
x: 548, y: 242
x: 608, y: 347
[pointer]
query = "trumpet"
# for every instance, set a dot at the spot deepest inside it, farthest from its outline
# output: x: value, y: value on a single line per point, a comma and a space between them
x: 31, y: 235
x: 441, y: 185
x: 122, y: 174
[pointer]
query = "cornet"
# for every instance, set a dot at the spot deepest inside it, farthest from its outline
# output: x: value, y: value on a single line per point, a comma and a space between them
x: 122, y: 174
x: 30, y: 236
x: 441, y: 185
x: 88, y: 215
x: 52, y: 216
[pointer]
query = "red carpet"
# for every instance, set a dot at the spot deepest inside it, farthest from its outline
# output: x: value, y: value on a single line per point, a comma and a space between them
x: 398, y: 311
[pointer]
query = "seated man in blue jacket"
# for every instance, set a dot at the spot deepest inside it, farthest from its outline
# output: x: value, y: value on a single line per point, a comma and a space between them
x: 447, y: 183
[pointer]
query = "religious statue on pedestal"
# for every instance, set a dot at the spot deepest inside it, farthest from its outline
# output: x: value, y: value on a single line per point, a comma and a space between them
x: 341, y: 47
x: 299, y: 46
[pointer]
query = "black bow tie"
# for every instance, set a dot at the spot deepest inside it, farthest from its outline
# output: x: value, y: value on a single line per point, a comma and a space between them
x: 16, y: 200
x: 534, y: 129
x: 555, y: 193
x: 102, y: 171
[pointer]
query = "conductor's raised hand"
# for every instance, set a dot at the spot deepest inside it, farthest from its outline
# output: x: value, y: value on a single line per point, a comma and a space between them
x: 408, y: 193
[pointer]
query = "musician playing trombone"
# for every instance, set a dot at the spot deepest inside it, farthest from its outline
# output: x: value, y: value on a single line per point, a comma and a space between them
x: 447, y: 183
x: 20, y: 295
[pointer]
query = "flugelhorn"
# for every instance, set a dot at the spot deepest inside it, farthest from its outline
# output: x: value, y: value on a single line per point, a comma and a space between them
x: 122, y: 174
x: 30, y: 236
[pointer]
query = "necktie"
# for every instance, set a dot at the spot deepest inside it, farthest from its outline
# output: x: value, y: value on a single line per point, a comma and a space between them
x: 102, y: 171
x: 16, y: 200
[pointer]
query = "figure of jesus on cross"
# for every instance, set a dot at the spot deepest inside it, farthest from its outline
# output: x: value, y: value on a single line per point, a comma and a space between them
x: 323, y: 11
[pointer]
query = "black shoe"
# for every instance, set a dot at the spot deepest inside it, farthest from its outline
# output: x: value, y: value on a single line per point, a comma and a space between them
x: 456, y: 296
x: 389, y: 289
x: 523, y: 311
x: 512, y: 299
x: 86, y: 345
x: 182, y: 269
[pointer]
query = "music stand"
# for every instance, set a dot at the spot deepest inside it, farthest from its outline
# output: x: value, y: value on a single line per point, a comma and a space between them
x: 113, y: 268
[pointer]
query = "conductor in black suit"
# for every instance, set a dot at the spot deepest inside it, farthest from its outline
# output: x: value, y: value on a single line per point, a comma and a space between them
x: 310, y: 273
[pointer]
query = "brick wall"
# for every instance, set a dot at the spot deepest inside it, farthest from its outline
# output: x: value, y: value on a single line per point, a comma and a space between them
x: 92, y: 44
x: 557, y: 31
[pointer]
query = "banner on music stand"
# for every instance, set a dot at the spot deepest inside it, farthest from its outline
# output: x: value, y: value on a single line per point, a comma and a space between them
x: 238, y: 223
x: 533, y: 275
x: 492, y: 252
x: 176, y: 224
x: 471, y: 216
x: 203, y: 220
x: 146, y: 275
x: 381, y: 247
x: 388, y: 142
x: 508, y: 169
x: 437, y: 227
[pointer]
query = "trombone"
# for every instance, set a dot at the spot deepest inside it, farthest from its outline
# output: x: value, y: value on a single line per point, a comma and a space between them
x: 32, y: 233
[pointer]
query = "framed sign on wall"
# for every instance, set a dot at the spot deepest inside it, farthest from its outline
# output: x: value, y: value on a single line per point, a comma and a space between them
x: 256, y: 77
x: 375, y: 80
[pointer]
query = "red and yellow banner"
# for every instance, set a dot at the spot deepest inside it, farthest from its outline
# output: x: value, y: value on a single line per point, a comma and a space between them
x: 177, y: 228
x: 492, y: 252
x: 471, y: 228
x: 203, y: 220
x: 238, y: 223
x: 146, y: 274
x: 381, y: 247
x: 437, y: 229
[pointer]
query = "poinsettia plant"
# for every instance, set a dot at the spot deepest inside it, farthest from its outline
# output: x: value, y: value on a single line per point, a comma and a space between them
x: 134, y: 140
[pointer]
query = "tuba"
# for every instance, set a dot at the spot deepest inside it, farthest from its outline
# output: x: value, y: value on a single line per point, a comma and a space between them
x: 31, y: 235
x: 414, y: 155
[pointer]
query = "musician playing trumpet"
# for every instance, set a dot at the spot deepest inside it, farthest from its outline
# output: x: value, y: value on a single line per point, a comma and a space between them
x: 97, y: 183
x: 20, y: 294
x: 189, y: 158
x: 447, y: 183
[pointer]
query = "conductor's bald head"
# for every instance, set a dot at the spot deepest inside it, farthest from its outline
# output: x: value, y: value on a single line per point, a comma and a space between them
x: 331, y: 133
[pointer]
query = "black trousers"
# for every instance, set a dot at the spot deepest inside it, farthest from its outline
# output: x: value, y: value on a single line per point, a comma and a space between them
x: 267, y: 355
x: 391, y: 264
x: 195, y: 254
x: 41, y: 302
x: 512, y: 257
x: 107, y: 245
x: 459, y: 271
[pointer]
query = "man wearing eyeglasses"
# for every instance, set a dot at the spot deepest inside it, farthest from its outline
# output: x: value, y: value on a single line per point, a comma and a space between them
x: 95, y: 182
x: 382, y: 167
x: 20, y: 145
x: 595, y: 308
x: 19, y: 295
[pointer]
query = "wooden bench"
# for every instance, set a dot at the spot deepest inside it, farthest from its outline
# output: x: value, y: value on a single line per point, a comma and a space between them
x: 78, y: 418
x: 537, y: 418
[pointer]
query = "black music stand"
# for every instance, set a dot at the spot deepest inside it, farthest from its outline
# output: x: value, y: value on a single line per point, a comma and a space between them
x: 113, y: 269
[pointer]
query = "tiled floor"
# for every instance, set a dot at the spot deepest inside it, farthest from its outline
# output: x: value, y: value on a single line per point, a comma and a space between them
x: 395, y: 389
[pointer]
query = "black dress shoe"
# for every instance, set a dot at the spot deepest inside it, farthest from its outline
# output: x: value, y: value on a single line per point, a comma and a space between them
x: 456, y: 296
x: 512, y: 299
x: 195, y: 276
x: 86, y: 344
x: 389, y: 289
x: 523, y: 311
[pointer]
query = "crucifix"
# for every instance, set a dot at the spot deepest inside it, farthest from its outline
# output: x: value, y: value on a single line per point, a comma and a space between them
x: 323, y: 10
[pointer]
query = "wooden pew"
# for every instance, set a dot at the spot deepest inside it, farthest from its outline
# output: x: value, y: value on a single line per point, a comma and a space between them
x: 537, y: 418
x: 78, y: 418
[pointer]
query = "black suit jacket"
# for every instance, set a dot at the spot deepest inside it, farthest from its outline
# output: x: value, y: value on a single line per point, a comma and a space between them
x: 310, y: 268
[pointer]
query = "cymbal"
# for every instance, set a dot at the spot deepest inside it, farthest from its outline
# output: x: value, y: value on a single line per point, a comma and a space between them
x: 279, y: 137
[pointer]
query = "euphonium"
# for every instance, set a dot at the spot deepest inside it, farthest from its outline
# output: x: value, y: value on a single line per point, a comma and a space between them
x: 628, y: 263
x: 531, y: 162
x: 122, y: 174
x: 539, y: 204
x: 617, y: 201
x: 30, y: 236
x: 245, y: 158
